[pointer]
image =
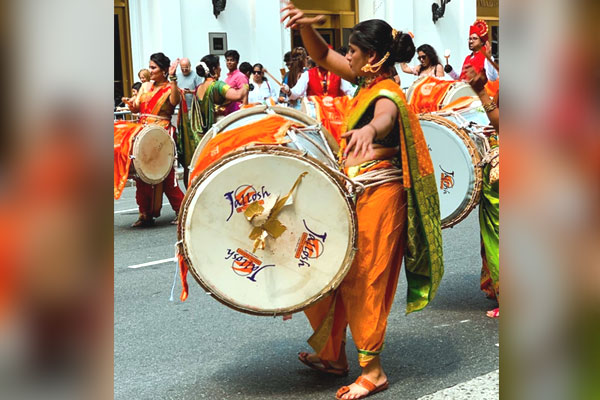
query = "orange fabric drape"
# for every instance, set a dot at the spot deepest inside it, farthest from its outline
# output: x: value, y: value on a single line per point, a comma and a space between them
x: 331, y: 112
x: 125, y: 132
x: 492, y: 88
x: 365, y: 296
x: 428, y: 94
x: 269, y: 130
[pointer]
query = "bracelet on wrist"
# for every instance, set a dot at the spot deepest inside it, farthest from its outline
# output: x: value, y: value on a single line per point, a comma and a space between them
x: 489, y: 107
x: 173, y: 78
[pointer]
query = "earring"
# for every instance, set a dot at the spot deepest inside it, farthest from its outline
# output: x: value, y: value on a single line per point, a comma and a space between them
x: 375, y: 67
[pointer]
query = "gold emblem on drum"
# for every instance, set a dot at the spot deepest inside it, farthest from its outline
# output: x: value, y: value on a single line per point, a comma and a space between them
x: 243, y: 196
x: 446, y: 180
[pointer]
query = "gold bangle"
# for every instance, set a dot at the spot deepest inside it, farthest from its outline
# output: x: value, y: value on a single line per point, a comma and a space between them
x: 490, y: 107
x: 173, y: 78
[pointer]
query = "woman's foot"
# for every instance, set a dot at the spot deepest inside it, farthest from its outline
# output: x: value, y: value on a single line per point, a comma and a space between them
x: 338, y: 368
x: 143, y: 222
x: 495, y: 313
x: 374, y: 374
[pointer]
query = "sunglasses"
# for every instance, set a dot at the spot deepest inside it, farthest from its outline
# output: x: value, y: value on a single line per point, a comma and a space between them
x: 421, y: 58
x: 257, y: 72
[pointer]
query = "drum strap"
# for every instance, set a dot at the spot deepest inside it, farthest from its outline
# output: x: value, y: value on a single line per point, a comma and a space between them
x: 155, y: 117
x: 379, y: 176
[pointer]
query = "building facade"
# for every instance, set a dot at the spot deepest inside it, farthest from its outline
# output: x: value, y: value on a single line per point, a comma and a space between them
x: 188, y: 28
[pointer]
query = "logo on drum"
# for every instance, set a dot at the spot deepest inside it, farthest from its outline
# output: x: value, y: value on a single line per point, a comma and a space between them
x: 427, y: 88
x: 310, y: 246
x: 245, y: 264
x: 446, y: 180
x: 243, y: 196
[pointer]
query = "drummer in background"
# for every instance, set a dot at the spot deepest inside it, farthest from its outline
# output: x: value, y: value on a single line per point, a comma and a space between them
x: 317, y: 81
x: 261, y: 90
x: 479, y: 45
x: 156, y: 103
x: 210, y: 94
x: 298, y: 65
x: 394, y: 217
x: 429, y: 63
x: 489, y: 206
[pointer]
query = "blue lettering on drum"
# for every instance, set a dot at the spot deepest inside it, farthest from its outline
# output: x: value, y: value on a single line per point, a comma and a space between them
x: 446, y: 181
x: 310, y: 246
x: 245, y: 264
x: 240, y: 198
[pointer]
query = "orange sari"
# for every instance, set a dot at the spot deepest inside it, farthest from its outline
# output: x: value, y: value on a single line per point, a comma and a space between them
x: 394, y: 219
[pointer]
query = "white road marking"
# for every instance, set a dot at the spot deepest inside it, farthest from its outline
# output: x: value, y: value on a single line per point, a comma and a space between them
x: 124, y: 211
x: 166, y: 260
x: 483, y: 387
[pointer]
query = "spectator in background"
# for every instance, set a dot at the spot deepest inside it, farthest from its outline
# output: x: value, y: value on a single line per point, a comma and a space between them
x: 297, y: 67
x: 135, y: 89
x: 187, y: 80
x: 262, y: 89
x: 235, y: 79
x: 144, y: 75
x: 246, y: 69
x: 192, y: 125
x: 429, y: 63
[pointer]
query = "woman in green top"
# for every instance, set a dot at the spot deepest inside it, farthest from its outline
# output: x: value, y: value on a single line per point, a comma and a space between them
x: 195, y: 122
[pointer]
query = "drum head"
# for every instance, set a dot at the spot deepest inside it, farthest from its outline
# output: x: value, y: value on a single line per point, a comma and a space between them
x: 296, y: 269
x: 458, y: 90
x: 248, y: 115
x: 455, y: 159
x: 154, y: 153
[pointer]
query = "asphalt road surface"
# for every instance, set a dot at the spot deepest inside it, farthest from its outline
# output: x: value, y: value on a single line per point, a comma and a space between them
x: 201, y: 349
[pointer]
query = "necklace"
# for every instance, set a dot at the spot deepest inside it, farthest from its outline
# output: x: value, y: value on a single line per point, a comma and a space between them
x: 364, y: 82
x: 324, y: 80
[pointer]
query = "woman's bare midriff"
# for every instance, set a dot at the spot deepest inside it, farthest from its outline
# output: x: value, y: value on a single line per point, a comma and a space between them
x: 379, y: 153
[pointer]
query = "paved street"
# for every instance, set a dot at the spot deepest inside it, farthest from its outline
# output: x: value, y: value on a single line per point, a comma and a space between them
x: 202, y: 349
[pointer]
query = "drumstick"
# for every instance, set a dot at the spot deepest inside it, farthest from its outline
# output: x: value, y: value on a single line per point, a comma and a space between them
x: 272, y: 77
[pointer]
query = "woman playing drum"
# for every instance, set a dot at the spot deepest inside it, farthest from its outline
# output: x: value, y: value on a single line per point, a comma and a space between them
x: 156, y: 103
x: 396, y: 217
x: 193, y: 124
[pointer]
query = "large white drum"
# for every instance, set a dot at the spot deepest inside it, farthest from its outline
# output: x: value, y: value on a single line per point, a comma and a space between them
x: 296, y: 269
x: 153, y: 154
x: 455, y: 158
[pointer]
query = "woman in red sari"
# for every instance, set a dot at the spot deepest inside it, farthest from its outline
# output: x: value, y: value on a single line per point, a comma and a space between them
x: 398, y: 214
x: 156, y: 103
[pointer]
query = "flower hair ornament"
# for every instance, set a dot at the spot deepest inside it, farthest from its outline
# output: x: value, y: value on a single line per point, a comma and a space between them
x: 377, y: 66
x: 204, y: 67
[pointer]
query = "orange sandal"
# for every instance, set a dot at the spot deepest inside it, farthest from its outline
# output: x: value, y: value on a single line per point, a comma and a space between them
x: 326, y: 367
x: 367, y: 384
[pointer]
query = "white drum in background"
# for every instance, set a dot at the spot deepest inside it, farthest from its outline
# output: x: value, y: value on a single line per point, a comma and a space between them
x: 455, y: 159
x: 153, y: 154
x: 456, y: 91
x: 319, y: 140
x: 295, y: 270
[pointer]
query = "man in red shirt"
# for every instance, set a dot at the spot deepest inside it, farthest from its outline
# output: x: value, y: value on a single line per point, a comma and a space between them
x: 478, y: 37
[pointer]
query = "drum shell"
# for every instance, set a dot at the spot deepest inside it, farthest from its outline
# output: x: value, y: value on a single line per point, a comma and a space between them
x: 453, y: 209
x: 252, y: 114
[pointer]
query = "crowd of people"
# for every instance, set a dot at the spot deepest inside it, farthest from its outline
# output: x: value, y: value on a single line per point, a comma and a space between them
x: 398, y: 220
